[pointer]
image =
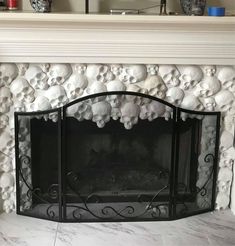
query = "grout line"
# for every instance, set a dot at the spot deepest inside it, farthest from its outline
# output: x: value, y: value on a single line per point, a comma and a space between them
x: 56, y: 234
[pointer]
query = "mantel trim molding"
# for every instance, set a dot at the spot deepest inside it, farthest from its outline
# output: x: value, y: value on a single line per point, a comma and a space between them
x: 74, y: 38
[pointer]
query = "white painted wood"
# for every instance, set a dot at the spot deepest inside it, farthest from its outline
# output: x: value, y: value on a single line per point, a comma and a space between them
x: 146, y: 39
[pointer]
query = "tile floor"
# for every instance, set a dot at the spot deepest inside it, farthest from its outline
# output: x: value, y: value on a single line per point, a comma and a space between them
x: 217, y: 229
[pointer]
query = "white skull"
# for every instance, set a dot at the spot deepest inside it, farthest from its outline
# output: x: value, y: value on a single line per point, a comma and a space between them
x: 228, y: 122
x: 115, y: 113
x: 45, y: 67
x: 81, y: 111
x: 227, y: 158
x: 58, y: 74
x: 9, y: 205
x: 224, y: 186
x: 224, y: 100
x: 19, y: 106
x: 5, y: 163
x: 22, y: 90
x: 101, y: 113
x: 226, y: 162
x: 11, y: 126
x: 96, y: 87
x: 22, y: 67
x: 169, y: 113
x: 133, y: 73
x: 7, y: 143
x: 226, y: 140
x: 152, y: 69
x: 8, y: 72
x: 227, y: 77
x: 79, y: 68
x: 209, y: 70
x: 169, y: 74
x: 190, y: 77
x: 4, y: 121
x: 229, y: 153
x: 130, y: 115
x: 136, y: 99
x: 152, y: 111
x: 6, y: 184
x: 5, y: 100
x: 116, y: 69
x: 115, y: 100
x: 192, y: 103
x: 175, y: 96
x: 155, y: 86
x: 52, y: 116
x: 225, y: 175
x: 41, y: 103
x: 99, y: 72
x: 208, y: 87
x: 37, y: 78
x: 57, y: 96
x: 75, y: 85
x: 209, y: 104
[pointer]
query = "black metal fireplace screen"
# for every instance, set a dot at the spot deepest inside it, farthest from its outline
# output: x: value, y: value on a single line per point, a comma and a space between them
x: 116, y: 156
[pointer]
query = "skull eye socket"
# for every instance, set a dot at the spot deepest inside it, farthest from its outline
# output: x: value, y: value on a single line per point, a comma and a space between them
x: 82, y: 108
x: 77, y: 90
x: 38, y: 76
x: 199, y: 107
x: 99, y: 77
x: 175, y: 73
x: 223, y: 107
x: 102, y: 69
x: 59, y: 79
x: 177, y: 101
x: 193, y: 82
x: 167, y: 77
x: 4, y: 99
x: 6, y: 79
x: 132, y: 79
x: 51, y: 74
x: 60, y: 98
x: 10, y: 143
x: 26, y: 90
x: 19, y: 96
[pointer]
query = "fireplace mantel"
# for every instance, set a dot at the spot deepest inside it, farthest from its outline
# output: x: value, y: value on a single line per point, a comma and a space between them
x: 76, y: 38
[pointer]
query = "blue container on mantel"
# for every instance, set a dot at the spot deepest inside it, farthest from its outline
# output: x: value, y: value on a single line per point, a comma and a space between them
x: 216, y: 11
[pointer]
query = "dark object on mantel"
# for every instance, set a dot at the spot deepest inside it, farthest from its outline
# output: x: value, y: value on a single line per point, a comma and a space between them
x: 3, y: 5
x: 70, y: 170
x: 41, y: 6
x: 193, y: 7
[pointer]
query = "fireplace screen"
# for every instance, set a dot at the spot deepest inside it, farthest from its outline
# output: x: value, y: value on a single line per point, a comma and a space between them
x: 116, y: 156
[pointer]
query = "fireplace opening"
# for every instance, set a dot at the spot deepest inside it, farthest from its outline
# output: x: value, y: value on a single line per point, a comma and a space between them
x: 119, y: 156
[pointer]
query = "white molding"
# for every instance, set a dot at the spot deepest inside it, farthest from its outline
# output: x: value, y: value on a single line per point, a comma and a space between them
x: 77, y: 38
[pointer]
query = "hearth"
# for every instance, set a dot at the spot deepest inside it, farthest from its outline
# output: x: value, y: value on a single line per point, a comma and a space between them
x: 116, y: 156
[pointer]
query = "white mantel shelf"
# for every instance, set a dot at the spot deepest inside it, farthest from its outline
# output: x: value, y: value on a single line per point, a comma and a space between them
x: 73, y: 38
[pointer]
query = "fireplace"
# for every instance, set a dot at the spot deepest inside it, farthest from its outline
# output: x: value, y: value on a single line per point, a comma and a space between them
x: 193, y: 56
x: 116, y: 156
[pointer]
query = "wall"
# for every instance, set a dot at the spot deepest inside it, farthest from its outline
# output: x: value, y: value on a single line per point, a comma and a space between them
x: 105, y: 5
